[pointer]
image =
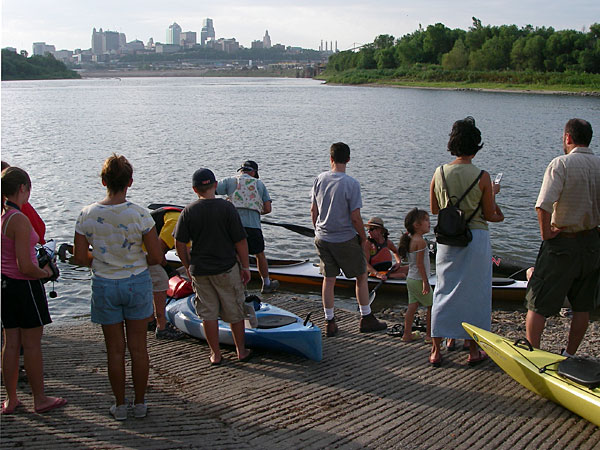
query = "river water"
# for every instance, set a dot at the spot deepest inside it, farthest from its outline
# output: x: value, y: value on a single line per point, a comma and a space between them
x: 62, y: 131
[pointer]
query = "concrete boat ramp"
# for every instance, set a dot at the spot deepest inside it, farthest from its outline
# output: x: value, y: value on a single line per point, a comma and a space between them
x: 370, y: 391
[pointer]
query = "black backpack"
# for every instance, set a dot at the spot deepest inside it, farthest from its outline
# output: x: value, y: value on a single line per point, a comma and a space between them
x: 452, y: 228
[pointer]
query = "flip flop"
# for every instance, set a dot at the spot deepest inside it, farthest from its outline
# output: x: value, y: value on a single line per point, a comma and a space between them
x: 415, y: 335
x: 57, y: 403
x: 481, y: 356
x: 248, y: 357
x: 435, y: 362
x: 216, y: 363
x: 6, y: 411
x: 451, y: 347
x: 428, y: 340
x: 396, y: 330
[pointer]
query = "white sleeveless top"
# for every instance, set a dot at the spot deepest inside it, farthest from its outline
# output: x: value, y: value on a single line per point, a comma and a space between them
x: 413, y: 270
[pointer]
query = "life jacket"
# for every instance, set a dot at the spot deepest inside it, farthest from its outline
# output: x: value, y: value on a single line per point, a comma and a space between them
x: 246, y: 194
x: 379, y: 253
x: 159, y: 215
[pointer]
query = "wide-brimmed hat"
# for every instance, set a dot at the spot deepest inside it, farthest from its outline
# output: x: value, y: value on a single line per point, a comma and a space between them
x: 375, y: 222
x: 248, y: 166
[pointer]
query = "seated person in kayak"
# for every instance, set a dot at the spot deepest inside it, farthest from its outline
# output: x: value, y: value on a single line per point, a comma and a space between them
x: 217, y: 263
x: 380, y: 251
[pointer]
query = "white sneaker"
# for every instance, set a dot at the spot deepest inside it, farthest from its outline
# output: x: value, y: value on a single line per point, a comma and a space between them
x: 140, y: 410
x: 119, y: 412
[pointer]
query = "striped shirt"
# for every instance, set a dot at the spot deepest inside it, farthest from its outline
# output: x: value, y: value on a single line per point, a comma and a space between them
x: 571, y: 190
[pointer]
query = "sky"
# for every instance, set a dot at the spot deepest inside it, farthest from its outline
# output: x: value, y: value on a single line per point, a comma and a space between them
x: 67, y: 24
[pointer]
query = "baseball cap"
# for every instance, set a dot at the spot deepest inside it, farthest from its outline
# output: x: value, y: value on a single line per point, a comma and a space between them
x: 248, y: 166
x: 202, y: 177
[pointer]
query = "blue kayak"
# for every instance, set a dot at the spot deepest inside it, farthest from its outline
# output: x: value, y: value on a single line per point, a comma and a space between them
x: 277, y: 329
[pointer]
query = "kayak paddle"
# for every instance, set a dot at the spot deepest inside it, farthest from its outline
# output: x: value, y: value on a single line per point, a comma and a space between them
x: 305, y: 231
x: 373, y: 293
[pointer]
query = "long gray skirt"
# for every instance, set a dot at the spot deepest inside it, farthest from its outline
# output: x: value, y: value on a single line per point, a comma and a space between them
x: 463, y: 292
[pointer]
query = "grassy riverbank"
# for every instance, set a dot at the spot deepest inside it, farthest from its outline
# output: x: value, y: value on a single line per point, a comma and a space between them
x: 439, y: 78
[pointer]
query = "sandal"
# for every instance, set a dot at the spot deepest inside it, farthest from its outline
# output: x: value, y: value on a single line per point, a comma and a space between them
x: 6, y: 410
x: 247, y: 357
x: 450, y: 345
x: 481, y: 356
x: 435, y: 362
x: 57, y: 403
x: 396, y: 330
x: 413, y: 337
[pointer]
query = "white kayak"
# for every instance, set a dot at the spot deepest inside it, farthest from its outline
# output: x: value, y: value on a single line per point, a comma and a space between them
x: 304, y: 272
x: 277, y: 329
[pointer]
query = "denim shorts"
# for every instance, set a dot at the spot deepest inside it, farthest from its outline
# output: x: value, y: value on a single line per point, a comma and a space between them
x: 114, y: 301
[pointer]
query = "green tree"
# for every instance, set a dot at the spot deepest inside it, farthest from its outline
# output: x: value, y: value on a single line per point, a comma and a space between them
x: 477, y: 35
x: 409, y: 48
x: 384, y: 41
x: 493, y: 55
x: 528, y: 53
x: 366, y: 58
x: 438, y: 40
x: 386, y: 58
x: 457, y: 58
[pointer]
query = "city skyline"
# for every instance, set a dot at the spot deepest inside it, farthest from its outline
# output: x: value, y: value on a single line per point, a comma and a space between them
x: 68, y: 24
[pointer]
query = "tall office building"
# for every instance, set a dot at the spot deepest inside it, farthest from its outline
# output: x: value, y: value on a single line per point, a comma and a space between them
x: 174, y: 34
x: 188, y: 39
x: 266, y: 40
x: 97, y: 42
x: 107, y: 41
x: 208, y: 31
x: 110, y: 41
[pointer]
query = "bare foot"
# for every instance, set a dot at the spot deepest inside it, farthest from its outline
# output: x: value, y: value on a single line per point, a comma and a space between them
x: 411, y: 337
x: 215, y: 359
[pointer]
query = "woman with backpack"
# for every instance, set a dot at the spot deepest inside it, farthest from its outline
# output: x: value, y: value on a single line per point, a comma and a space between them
x: 463, y: 291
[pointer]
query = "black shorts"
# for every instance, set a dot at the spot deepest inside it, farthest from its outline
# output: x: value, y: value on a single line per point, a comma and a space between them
x: 256, y: 242
x: 24, y: 304
x: 565, y: 267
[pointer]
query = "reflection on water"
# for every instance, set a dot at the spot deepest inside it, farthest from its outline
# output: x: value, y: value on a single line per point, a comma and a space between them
x: 61, y: 132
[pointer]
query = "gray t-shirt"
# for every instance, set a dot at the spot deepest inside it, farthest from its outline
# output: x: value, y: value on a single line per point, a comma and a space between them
x: 336, y: 196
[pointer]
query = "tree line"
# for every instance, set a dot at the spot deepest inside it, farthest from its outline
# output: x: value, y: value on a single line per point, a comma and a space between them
x: 481, y: 48
x: 17, y: 66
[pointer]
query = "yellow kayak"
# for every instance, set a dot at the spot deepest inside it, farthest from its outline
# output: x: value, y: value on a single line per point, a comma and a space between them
x: 538, y: 371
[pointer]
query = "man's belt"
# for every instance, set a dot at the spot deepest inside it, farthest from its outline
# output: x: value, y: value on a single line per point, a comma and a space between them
x: 578, y: 233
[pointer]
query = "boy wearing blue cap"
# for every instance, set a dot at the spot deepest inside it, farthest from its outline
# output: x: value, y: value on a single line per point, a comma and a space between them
x: 217, y: 263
